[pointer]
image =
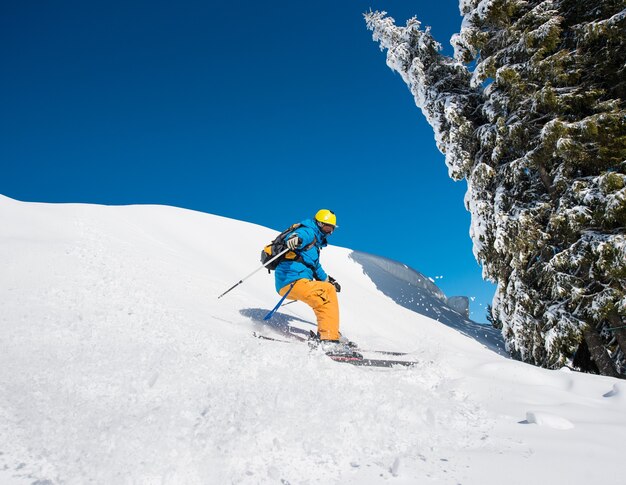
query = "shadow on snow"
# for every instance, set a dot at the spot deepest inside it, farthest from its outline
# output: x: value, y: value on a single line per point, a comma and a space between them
x: 281, y: 323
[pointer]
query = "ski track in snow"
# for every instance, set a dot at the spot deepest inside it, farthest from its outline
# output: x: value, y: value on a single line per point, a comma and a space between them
x: 120, y: 366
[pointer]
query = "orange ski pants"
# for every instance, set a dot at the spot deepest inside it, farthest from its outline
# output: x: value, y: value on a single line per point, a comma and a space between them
x: 322, y: 298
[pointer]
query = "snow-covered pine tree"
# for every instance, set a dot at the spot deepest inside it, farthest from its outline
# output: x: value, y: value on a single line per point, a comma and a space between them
x: 531, y: 113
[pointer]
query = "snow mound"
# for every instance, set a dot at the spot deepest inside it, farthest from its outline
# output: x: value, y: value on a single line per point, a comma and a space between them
x: 618, y: 392
x: 548, y: 420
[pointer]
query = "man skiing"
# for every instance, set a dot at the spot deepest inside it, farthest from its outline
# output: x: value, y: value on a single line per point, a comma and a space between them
x: 305, y: 280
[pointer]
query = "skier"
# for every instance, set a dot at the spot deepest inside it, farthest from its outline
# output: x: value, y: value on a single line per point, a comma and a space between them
x: 306, y: 281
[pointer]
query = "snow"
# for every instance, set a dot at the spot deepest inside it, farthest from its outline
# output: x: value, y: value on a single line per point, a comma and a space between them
x: 120, y: 365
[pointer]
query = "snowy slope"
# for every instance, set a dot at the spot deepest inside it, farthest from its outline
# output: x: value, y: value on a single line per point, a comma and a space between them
x: 118, y: 365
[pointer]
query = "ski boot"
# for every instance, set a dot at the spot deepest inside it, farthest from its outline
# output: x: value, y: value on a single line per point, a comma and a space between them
x: 334, y: 348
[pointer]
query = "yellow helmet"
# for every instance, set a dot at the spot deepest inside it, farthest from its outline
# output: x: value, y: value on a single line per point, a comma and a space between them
x: 326, y: 216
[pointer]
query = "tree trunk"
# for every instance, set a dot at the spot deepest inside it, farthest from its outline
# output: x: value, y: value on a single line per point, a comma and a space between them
x: 616, y: 324
x: 599, y: 353
x: 583, y: 361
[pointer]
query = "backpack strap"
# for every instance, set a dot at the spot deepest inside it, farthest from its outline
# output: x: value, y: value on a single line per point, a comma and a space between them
x: 300, y: 259
x: 309, y: 246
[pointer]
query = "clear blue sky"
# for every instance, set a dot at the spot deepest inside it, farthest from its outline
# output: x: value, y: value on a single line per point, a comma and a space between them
x: 258, y: 111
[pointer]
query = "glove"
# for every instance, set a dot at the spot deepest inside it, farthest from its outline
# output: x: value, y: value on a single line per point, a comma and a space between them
x: 293, y: 242
x: 333, y: 282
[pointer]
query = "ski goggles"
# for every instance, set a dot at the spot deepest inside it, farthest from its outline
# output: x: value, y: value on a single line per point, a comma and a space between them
x: 326, y: 228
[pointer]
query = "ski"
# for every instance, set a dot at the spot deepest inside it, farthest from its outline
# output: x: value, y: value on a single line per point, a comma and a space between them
x: 384, y: 352
x: 354, y: 360
x: 273, y: 339
x: 357, y: 348
x: 364, y: 362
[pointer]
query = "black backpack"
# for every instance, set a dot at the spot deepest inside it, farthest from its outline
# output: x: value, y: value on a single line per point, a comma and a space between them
x: 278, y: 245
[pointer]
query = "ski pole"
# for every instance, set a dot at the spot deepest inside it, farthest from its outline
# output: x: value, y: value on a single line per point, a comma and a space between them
x: 278, y: 305
x: 258, y: 269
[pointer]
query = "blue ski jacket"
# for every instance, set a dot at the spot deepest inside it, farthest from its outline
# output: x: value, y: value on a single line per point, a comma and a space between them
x: 309, y: 268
